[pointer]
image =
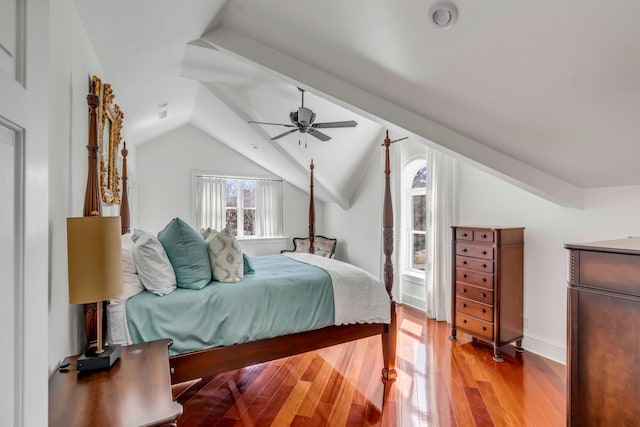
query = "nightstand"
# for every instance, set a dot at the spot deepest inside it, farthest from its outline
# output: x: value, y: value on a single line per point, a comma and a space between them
x: 135, y: 391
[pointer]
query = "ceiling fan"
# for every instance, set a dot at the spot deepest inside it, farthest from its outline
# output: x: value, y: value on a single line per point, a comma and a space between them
x: 303, y: 121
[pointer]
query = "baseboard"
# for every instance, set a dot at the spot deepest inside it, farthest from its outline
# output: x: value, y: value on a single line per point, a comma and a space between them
x: 414, y: 302
x: 544, y: 347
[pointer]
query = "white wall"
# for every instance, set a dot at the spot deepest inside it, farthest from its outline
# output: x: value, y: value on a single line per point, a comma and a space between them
x: 608, y: 213
x: 359, y: 229
x: 163, y: 184
x: 72, y: 62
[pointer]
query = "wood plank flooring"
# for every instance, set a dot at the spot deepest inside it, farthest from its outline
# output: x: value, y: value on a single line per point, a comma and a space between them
x: 440, y: 383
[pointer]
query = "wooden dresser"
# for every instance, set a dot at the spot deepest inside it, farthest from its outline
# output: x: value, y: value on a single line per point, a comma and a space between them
x: 603, y: 333
x: 486, y: 284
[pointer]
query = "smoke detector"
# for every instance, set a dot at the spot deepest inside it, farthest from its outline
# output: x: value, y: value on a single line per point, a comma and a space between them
x: 443, y: 15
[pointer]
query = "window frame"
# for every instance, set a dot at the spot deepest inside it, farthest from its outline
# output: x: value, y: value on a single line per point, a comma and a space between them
x: 408, y: 192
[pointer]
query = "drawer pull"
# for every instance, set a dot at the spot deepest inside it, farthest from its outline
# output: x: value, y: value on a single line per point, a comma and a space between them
x: 464, y: 234
x: 484, y: 328
x: 464, y: 320
x: 464, y: 290
x: 484, y: 279
x: 483, y: 295
x: 464, y: 250
x: 484, y: 266
x: 483, y: 310
x: 483, y: 252
x: 464, y: 275
x: 484, y: 236
x: 464, y: 305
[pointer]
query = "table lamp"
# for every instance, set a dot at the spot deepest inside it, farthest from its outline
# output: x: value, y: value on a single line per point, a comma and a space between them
x: 95, y: 275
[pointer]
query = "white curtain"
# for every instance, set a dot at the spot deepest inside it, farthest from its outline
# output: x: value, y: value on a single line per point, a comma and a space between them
x: 442, y: 188
x: 269, y: 208
x: 210, y: 202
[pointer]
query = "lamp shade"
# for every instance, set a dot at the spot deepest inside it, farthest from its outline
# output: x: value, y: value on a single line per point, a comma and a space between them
x: 94, y: 258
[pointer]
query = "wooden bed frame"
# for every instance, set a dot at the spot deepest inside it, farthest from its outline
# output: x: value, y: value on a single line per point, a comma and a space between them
x: 202, y: 363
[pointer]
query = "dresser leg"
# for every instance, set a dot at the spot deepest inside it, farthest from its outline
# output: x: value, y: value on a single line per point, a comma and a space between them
x: 496, y: 354
x: 452, y: 337
x: 519, y: 348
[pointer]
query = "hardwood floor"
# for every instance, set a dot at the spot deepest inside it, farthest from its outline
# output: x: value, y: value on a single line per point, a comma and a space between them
x: 440, y: 383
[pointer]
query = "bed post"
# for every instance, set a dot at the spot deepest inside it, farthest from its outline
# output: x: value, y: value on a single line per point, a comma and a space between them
x: 312, y: 212
x: 124, y: 200
x: 389, y: 335
x: 92, y: 202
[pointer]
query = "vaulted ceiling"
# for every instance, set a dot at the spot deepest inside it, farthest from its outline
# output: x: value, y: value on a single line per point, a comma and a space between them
x: 544, y: 94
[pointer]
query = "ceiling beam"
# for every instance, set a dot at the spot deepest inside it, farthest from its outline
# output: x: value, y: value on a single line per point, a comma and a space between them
x: 499, y: 164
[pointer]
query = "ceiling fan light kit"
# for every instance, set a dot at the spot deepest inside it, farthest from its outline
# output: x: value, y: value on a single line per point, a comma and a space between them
x: 303, y: 121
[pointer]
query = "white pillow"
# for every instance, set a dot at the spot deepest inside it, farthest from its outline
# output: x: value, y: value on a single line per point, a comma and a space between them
x: 130, y: 281
x: 128, y: 263
x: 225, y: 254
x: 152, y: 263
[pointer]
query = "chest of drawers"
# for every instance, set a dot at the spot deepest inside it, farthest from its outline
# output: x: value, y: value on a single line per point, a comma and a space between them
x: 603, y: 333
x: 486, y: 285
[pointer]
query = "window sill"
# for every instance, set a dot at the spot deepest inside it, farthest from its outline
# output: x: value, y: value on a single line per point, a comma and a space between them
x: 262, y: 240
x: 413, y: 277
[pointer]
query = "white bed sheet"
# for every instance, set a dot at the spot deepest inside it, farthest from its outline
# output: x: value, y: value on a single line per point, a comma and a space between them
x: 117, y: 329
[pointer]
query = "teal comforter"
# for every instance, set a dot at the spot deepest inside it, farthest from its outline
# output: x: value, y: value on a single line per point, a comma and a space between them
x: 283, y: 296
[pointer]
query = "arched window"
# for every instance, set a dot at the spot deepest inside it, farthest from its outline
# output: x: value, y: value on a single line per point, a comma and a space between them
x: 417, y: 218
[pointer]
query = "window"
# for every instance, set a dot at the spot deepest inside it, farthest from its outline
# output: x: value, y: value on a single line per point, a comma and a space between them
x: 417, y: 216
x: 240, y: 212
x: 250, y: 207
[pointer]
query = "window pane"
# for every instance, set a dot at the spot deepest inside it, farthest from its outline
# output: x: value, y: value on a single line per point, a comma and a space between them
x: 249, y: 194
x: 419, y: 251
x: 232, y: 220
x: 420, y: 179
x: 232, y: 192
x: 419, y: 206
x: 249, y: 222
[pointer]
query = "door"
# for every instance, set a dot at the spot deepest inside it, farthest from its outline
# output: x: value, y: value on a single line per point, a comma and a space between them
x: 11, y: 283
x: 24, y: 236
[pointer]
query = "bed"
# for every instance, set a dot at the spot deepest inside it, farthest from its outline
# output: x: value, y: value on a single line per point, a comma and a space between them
x: 210, y: 357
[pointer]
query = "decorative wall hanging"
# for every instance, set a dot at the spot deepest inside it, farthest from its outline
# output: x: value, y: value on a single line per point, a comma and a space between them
x: 109, y: 139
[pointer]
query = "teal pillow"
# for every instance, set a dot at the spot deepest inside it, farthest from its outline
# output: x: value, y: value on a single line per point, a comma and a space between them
x: 187, y: 253
x: 248, y: 264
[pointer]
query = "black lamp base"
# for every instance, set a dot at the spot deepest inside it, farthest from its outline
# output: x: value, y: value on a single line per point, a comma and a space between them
x: 90, y: 360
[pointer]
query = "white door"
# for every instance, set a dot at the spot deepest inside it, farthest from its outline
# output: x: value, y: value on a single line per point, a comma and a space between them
x: 23, y: 211
x: 8, y: 280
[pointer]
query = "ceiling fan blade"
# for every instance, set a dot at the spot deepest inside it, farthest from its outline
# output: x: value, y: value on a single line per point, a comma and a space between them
x: 276, y: 124
x: 346, y: 124
x: 284, y: 134
x: 321, y: 136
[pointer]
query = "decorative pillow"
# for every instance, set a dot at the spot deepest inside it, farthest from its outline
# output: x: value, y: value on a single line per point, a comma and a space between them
x: 248, y: 264
x: 206, y: 231
x: 152, y: 263
x: 226, y: 256
x: 187, y: 253
x: 130, y: 281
